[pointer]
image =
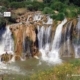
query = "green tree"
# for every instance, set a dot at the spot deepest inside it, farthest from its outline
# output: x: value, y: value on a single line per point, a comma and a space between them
x: 57, y: 6
x: 65, y: 1
x: 15, y: 0
x: 47, y: 1
x: 47, y: 10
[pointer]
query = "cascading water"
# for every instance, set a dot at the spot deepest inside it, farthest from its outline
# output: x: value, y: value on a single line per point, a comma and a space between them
x: 67, y: 42
x: 37, y: 17
x: 40, y: 36
x: 7, y: 43
x: 68, y: 38
x: 77, y: 46
x: 7, y: 46
x: 50, y: 51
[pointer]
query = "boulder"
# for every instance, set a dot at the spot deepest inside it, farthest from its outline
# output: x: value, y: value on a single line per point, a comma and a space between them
x: 6, y: 57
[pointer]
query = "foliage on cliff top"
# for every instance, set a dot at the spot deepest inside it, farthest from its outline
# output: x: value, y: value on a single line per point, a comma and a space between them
x: 69, y: 8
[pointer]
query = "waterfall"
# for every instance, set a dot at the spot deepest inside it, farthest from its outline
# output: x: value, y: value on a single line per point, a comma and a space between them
x: 68, y: 38
x: 7, y: 43
x: 77, y: 46
x: 40, y: 36
x: 57, y: 37
x: 49, y: 54
x: 67, y: 46
x: 37, y: 17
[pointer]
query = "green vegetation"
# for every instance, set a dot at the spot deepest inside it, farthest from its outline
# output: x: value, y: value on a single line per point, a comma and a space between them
x: 59, y: 16
x: 17, y: 4
x: 64, y: 71
x: 69, y: 70
x: 47, y: 10
x: 34, y: 6
x: 65, y: 8
x: 2, y: 22
x: 2, y: 9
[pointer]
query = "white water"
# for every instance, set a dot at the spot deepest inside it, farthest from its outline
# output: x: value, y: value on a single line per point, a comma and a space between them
x: 10, y: 69
x: 37, y: 17
x: 49, y: 20
x: 7, y: 43
x: 49, y: 54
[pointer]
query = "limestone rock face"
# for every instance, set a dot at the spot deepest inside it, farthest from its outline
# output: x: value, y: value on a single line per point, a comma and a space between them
x: 68, y: 33
x: 67, y: 50
x: 74, y: 28
x: 30, y: 32
x: 17, y: 31
x: 20, y: 33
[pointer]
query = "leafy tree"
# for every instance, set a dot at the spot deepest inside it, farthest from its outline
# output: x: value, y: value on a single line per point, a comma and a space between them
x: 59, y: 16
x: 17, y: 4
x: 70, y: 12
x: 34, y: 6
x: 15, y: 0
x: 47, y: 1
x: 65, y: 1
x: 47, y: 10
x: 2, y: 9
x: 57, y: 6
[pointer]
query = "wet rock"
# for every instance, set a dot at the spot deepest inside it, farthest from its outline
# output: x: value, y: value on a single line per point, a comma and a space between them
x: 17, y: 31
x: 21, y: 32
x: 67, y: 50
x: 6, y: 57
x: 44, y: 19
x: 17, y: 58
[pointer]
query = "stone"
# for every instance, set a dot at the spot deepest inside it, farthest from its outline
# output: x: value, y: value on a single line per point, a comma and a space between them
x: 17, y: 58
x: 6, y: 57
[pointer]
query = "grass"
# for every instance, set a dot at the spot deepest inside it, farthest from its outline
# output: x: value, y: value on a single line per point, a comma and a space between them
x: 69, y: 70
x: 66, y: 71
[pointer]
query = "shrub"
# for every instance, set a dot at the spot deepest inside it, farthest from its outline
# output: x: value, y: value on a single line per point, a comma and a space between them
x: 53, y: 16
x: 47, y: 1
x: 57, y: 6
x: 15, y: 0
x: 2, y: 9
x: 47, y: 10
x: 35, y: 5
x: 4, y: 3
x: 17, y: 4
x: 65, y: 1
x: 70, y: 12
x: 59, y: 16
x: 29, y: 7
